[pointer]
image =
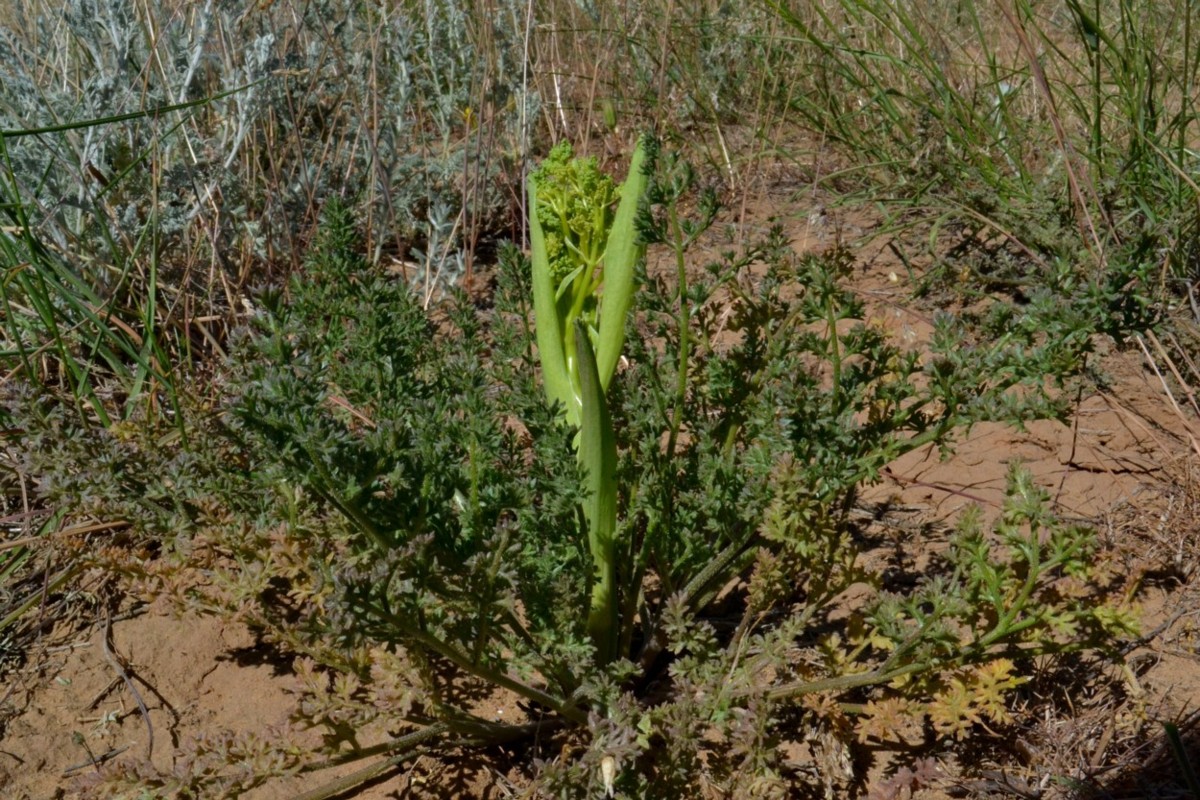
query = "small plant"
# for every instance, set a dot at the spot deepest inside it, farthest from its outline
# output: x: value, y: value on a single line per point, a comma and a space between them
x: 585, y: 250
x: 398, y: 506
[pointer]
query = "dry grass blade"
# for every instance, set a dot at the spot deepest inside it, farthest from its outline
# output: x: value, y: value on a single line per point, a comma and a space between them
x: 1192, y: 433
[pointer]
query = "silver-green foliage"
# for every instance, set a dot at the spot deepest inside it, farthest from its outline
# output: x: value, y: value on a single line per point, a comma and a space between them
x: 111, y: 204
x: 363, y: 100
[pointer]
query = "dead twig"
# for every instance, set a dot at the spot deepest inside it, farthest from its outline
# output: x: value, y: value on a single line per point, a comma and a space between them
x: 118, y: 665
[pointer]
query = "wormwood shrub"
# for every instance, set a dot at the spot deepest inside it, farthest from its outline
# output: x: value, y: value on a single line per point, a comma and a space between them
x: 332, y: 95
x: 139, y: 141
x: 389, y: 498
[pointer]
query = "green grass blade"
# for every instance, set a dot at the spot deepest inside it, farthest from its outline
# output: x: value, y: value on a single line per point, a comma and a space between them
x: 17, y: 133
x: 1179, y: 750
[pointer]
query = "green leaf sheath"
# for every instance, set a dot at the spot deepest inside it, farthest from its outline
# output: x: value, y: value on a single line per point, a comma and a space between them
x: 621, y: 255
x: 550, y: 333
x: 598, y: 457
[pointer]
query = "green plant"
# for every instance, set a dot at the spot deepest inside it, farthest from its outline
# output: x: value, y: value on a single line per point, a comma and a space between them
x: 386, y: 495
x: 585, y: 251
x: 1182, y: 759
x: 398, y: 506
x: 1021, y: 138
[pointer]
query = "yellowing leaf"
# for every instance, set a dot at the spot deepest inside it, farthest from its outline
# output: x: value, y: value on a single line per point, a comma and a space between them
x: 882, y: 720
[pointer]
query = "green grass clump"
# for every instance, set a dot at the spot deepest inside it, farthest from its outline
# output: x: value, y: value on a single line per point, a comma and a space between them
x: 1038, y: 139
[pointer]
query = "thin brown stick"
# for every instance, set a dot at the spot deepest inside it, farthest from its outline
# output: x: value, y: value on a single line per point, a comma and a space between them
x: 117, y: 664
x: 408, y: 746
x: 1187, y: 390
x: 1170, y: 396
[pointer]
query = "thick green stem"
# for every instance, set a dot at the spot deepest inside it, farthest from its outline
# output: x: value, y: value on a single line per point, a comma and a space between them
x: 549, y: 330
x: 598, y: 457
x: 622, y: 252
